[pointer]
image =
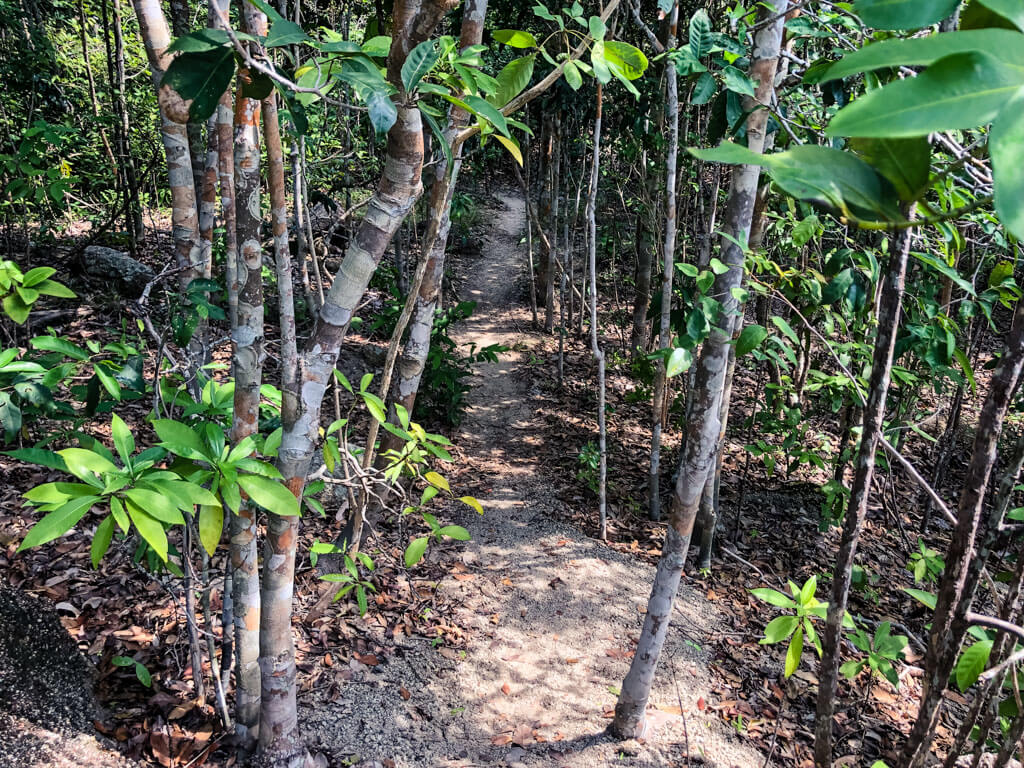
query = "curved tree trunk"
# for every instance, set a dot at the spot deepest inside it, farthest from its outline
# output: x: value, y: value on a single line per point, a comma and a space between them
x: 413, y: 360
x: 702, y: 440
x: 595, y: 345
x: 397, y: 191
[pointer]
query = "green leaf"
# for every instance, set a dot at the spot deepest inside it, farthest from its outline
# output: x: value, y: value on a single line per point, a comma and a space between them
x: 155, y: 505
x: 821, y: 175
x: 597, y: 27
x: 59, y: 344
x: 572, y: 75
x: 414, y: 552
x: 143, y: 675
x: 750, y: 338
x: 36, y: 276
x: 179, y: 439
x: 58, y: 522
x: 124, y: 441
x: 680, y: 360
x: 202, y: 77
x: 737, y: 82
x: 773, y: 597
x: 964, y: 90
x: 903, y: 14
x: 200, y: 40
x: 1006, y: 148
x: 108, y: 381
x: 456, y: 532
x: 53, y: 288
x: 701, y: 37
x: 851, y: 669
x: 927, y: 598
x: 101, y: 541
x: 786, y: 328
x: 795, y: 651
x: 39, y: 456
x: 1012, y: 10
x: 972, y: 663
x: 377, y: 47
x: 270, y: 494
x: 150, y: 529
x: 470, y: 501
x: 703, y: 89
x: 488, y: 112
x: 808, y: 589
x: 965, y: 366
x: 83, y: 463
x: 625, y: 60
x: 211, y: 527
x: 512, y: 79
x: 778, y: 629
x: 904, y: 162
x: 418, y: 63
x: 16, y: 309
x: 922, y: 51
x: 512, y: 146
x: 437, y: 480
x: 284, y: 32
x: 516, y: 38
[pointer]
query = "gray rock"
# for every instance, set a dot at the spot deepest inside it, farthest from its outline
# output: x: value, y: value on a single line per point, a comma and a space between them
x: 117, y: 267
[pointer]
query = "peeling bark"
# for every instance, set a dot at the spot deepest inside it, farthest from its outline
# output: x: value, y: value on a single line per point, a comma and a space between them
x: 248, y: 355
x: 703, y: 427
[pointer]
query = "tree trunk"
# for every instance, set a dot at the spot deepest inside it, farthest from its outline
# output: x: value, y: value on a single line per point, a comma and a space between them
x: 874, y: 412
x: 397, y: 191
x: 133, y: 206
x: 702, y: 440
x: 248, y: 357
x: 595, y: 346
x: 966, y: 557
x: 668, y: 258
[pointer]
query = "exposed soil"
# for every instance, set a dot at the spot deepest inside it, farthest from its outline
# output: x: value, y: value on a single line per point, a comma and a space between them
x: 553, y: 613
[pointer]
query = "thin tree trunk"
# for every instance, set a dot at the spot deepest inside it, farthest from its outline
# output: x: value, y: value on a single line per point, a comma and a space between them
x: 413, y: 360
x: 871, y: 431
x: 399, y: 187
x: 249, y: 354
x: 131, y: 189
x: 84, y: 39
x: 595, y: 346
x: 969, y: 549
x: 668, y: 258
x: 529, y: 234
x: 555, y: 169
x: 184, y: 213
x: 702, y: 440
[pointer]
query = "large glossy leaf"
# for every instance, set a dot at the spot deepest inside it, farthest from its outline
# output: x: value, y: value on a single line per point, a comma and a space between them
x: 922, y: 51
x: 512, y: 79
x: 1013, y: 10
x: 516, y: 38
x: 418, y: 63
x: 837, y: 180
x: 964, y: 90
x: 904, y: 162
x: 972, y: 663
x: 83, y: 463
x: 269, y: 494
x: 58, y: 522
x: 202, y: 77
x: 903, y: 14
x: 149, y: 528
x: 488, y: 112
x: 179, y: 438
x: 285, y: 32
x: 1006, y: 148
x: 211, y: 527
x: 701, y: 39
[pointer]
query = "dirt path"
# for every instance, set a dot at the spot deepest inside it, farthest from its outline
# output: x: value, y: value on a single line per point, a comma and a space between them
x: 554, y: 613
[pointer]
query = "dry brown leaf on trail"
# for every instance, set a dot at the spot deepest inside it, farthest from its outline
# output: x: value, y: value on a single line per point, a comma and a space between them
x: 501, y: 739
x: 522, y: 735
x: 366, y: 658
x: 572, y: 661
x: 506, y: 689
x: 464, y: 576
x: 701, y: 704
x: 404, y: 692
x: 328, y: 660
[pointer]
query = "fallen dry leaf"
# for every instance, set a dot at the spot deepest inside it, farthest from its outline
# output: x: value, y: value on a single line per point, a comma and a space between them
x: 404, y: 692
x: 501, y: 739
x: 506, y: 689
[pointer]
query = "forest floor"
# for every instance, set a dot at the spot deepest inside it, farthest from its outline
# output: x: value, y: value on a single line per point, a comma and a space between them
x: 550, y: 611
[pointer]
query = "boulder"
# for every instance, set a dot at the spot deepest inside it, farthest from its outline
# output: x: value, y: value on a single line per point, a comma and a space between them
x: 117, y: 267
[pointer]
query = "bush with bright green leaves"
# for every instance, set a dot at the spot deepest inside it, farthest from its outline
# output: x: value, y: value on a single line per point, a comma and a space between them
x: 881, y: 650
x: 19, y: 291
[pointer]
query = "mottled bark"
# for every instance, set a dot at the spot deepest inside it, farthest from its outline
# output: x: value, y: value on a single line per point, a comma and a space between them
x: 642, y: 293
x: 397, y: 191
x: 413, y: 359
x: 129, y: 173
x: 668, y: 268
x: 969, y: 549
x: 248, y: 355
x: 184, y: 212
x: 703, y: 428
x: 595, y: 345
